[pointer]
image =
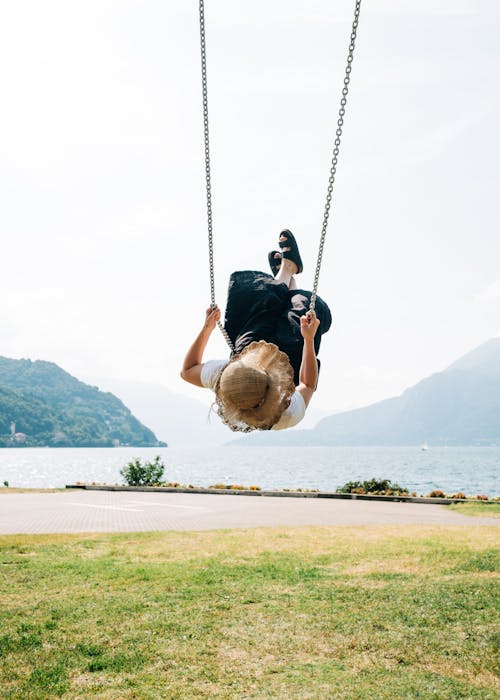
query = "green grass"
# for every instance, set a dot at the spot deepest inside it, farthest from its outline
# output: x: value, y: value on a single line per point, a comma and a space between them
x: 489, y: 508
x: 343, y: 613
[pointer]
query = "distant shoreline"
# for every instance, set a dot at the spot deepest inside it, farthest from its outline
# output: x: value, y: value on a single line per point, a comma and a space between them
x: 257, y: 445
x: 160, y: 445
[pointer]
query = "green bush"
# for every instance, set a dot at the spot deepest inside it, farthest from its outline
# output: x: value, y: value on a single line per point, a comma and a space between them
x: 147, y: 474
x: 382, y: 487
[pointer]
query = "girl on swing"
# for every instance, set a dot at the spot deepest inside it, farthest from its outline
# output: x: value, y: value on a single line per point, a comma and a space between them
x: 272, y: 374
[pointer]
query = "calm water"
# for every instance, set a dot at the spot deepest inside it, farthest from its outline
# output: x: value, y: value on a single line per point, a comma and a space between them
x: 471, y: 469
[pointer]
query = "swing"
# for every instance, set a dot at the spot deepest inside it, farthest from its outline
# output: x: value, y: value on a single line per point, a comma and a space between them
x: 333, y: 166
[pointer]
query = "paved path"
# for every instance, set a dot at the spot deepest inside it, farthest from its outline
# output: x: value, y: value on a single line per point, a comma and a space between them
x: 115, y: 511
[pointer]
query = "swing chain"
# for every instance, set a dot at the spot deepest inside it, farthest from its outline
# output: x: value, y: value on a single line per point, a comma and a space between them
x: 333, y: 167
x: 336, y: 149
x: 204, y: 82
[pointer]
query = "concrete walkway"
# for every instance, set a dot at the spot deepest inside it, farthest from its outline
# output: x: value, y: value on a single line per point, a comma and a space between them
x: 118, y: 511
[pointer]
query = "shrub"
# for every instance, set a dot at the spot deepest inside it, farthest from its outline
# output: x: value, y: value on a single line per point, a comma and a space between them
x: 382, y: 487
x: 459, y: 495
x: 437, y: 493
x: 482, y: 498
x: 147, y: 474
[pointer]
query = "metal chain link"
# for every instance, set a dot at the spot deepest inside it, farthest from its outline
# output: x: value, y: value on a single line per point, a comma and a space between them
x: 336, y: 149
x: 207, y: 168
x: 333, y: 167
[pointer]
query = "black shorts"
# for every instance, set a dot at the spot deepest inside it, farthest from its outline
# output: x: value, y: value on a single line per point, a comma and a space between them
x: 261, y: 308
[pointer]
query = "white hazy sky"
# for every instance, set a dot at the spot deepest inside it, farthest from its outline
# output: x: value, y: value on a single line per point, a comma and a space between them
x: 102, y: 214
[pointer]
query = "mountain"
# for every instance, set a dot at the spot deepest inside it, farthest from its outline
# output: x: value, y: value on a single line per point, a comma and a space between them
x: 459, y: 406
x: 41, y: 404
x: 175, y: 417
x: 183, y: 421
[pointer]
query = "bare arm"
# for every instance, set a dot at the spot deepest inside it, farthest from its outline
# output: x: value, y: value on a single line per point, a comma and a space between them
x: 191, y: 368
x: 308, y: 373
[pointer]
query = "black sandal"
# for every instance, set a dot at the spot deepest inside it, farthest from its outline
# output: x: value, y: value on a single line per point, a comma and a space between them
x: 292, y: 254
x: 274, y: 262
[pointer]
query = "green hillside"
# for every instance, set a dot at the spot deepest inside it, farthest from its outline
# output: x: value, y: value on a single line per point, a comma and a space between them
x: 41, y: 404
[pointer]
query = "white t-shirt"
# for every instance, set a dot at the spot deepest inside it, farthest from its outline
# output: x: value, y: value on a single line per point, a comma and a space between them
x: 210, y: 372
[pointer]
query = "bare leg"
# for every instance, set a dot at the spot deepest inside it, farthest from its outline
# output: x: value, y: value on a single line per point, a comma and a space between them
x: 286, y: 272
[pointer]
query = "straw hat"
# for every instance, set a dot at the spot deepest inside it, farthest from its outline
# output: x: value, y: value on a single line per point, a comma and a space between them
x: 255, y: 388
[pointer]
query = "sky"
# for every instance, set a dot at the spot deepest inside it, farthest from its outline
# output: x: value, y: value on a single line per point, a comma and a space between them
x: 104, y: 263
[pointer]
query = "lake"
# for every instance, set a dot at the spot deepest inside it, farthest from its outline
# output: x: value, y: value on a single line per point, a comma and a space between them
x: 474, y: 470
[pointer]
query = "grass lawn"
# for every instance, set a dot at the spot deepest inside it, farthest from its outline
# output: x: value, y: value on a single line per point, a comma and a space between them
x: 342, y: 613
x: 489, y: 508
